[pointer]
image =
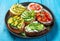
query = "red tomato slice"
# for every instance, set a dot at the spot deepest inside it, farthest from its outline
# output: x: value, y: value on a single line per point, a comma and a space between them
x: 35, y: 6
x: 47, y: 15
x: 44, y: 16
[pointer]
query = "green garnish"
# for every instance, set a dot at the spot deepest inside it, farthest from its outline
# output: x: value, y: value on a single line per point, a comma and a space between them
x: 15, y: 21
x: 28, y: 15
x: 23, y: 34
x: 35, y: 26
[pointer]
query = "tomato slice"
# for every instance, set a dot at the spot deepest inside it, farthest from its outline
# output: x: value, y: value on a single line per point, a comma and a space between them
x: 43, y: 16
x: 47, y: 15
x: 34, y: 6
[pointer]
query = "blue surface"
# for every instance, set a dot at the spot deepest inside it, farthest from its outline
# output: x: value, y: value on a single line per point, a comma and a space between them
x: 53, y: 35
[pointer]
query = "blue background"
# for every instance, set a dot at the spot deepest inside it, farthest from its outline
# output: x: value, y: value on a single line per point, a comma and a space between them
x: 53, y: 35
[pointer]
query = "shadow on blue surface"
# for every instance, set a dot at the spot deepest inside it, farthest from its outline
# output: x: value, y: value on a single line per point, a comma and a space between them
x: 53, y: 33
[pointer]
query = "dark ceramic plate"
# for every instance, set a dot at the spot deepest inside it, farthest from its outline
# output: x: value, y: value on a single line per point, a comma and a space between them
x: 26, y: 4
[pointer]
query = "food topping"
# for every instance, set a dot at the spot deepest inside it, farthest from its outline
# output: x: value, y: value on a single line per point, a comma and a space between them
x: 16, y: 22
x: 28, y: 16
x: 44, y: 16
x: 17, y: 9
x: 34, y: 6
x: 34, y: 27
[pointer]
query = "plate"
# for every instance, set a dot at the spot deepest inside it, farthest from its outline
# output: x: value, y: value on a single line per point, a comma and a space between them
x: 26, y: 4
